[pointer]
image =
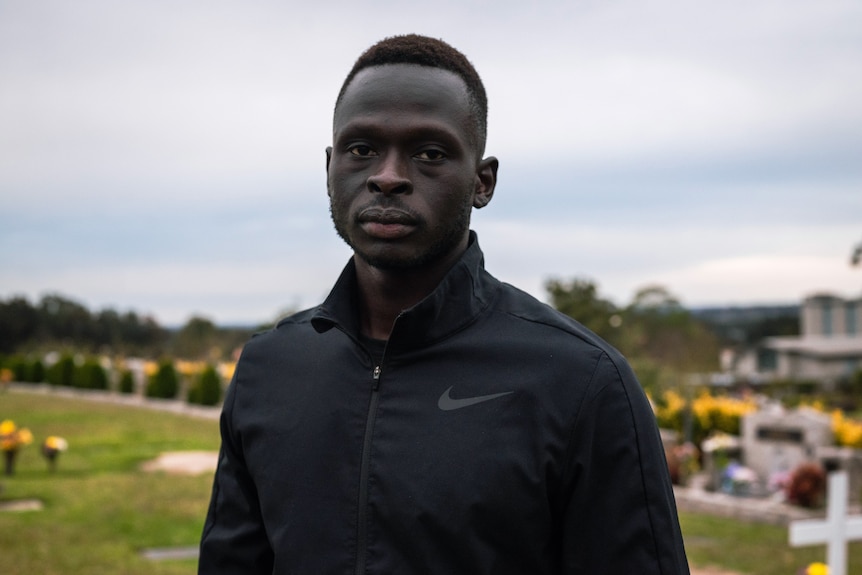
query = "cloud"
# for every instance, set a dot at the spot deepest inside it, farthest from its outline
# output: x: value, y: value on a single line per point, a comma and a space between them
x: 702, y: 265
x: 155, y: 150
x: 770, y: 278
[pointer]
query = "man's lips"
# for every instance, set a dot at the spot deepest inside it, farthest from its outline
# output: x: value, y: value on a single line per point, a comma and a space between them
x: 386, y: 223
x: 386, y: 216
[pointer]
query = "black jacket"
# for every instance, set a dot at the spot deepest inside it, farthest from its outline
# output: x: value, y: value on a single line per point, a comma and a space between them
x: 494, y: 436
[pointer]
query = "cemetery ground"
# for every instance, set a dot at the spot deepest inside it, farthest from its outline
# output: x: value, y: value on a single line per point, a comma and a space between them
x: 100, y: 511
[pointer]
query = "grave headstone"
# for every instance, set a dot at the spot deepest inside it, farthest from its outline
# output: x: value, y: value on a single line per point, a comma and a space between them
x: 777, y: 441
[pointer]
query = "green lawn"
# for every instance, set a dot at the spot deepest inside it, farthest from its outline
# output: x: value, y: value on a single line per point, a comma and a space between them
x: 751, y: 548
x: 101, y: 511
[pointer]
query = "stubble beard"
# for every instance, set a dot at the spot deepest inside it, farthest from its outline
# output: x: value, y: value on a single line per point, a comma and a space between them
x: 445, y: 242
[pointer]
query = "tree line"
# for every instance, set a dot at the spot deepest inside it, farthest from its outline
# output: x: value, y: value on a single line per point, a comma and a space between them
x: 654, y: 331
x: 56, y: 322
x: 662, y: 340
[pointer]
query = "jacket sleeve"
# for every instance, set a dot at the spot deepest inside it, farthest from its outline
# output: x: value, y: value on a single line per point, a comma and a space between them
x: 620, y: 515
x: 234, y: 540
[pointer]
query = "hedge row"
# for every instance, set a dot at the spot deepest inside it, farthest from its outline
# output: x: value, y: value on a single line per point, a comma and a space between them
x: 205, y: 388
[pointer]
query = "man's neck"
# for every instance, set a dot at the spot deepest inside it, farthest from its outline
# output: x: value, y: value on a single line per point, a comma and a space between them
x: 384, y: 294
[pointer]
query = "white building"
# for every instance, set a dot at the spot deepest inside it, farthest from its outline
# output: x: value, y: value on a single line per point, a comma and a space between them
x: 829, y: 348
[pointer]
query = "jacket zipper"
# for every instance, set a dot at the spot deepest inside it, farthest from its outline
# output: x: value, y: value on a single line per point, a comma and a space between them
x: 364, y: 471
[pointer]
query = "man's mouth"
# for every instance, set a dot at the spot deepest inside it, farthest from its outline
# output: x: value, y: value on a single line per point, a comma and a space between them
x: 386, y: 216
x: 386, y: 223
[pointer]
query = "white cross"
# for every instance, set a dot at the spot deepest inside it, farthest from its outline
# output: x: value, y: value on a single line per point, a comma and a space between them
x: 835, y: 531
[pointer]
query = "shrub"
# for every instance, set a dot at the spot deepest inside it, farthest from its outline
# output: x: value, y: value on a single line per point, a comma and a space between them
x: 24, y: 370
x: 806, y: 387
x: 37, y: 371
x: 19, y: 367
x: 856, y: 381
x: 127, y: 382
x: 207, y: 388
x: 807, y: 485
x: 165, y: 382
x: 62, y: 372
x: 90, y: 375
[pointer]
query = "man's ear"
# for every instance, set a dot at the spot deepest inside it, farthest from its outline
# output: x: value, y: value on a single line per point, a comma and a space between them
x: 328, y: 158
x: 486, y: 181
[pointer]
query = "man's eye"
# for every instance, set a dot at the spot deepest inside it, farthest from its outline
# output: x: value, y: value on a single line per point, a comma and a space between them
x: 362, y: 151
x: 431, y: 155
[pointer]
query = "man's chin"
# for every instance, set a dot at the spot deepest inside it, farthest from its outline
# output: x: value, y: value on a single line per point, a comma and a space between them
x: 390, y: 262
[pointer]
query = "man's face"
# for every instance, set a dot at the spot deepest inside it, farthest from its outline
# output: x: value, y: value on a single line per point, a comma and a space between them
x: 402, y: 173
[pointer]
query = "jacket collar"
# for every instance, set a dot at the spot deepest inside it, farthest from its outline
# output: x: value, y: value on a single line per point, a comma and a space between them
x: 465, y: 291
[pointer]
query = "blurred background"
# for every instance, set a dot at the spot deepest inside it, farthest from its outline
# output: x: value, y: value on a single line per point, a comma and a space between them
x: 684, y: 178
x: 168, y: 158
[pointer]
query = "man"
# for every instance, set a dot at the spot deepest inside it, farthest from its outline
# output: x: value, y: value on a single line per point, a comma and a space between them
x: 427, y: 418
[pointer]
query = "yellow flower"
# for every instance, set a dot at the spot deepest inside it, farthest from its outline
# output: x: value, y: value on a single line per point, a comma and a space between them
x: 848, y: 432
x: 150, y: 368
x: 24, y: 436
x: 817, y: 569
x: 11, y: 437
x: 226, y: 370
x: 718, y: 441
x: 7, y: 427
x: 189, y: 368
x: 58, y: 443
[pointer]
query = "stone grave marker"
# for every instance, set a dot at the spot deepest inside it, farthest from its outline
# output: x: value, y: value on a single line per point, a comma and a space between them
x: 775, y: 440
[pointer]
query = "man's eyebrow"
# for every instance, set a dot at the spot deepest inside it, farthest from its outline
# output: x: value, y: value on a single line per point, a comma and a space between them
x: 429, y: 130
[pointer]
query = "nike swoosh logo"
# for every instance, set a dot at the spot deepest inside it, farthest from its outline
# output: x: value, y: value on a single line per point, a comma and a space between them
x: 448, y: 403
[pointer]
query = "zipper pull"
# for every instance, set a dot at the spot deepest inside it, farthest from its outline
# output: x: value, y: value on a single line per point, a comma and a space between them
x: 376, y: 376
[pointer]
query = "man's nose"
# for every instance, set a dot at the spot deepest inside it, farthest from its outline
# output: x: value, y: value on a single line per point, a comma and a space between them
x: 391, y: 176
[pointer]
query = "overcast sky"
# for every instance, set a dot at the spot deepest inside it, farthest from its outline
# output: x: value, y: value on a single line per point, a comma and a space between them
x: 167, y: 157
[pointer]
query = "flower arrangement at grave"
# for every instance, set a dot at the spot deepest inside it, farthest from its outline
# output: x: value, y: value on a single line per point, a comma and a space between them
x: 52, y: 447
x: 150, y: 368
x: 711, y: 414
x: 778, y: 481
x: 226, y: 370
x: 683, y: 462
x: 721, y: 413
x: 737, y: 479
x: 815, y: 569
x: 12, y: 439
x: 847, y: 432
x: 189, y: 368
x: 720, y: 451
x: 669, y: 410
x: 806, y: 486
x: 719, y: 441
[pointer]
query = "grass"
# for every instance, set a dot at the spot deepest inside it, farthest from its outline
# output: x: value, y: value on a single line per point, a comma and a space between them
x: 751, y: 548
x: 101, y: 510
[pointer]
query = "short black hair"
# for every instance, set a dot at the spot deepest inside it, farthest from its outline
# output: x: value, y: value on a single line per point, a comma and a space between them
x: 434, y: 53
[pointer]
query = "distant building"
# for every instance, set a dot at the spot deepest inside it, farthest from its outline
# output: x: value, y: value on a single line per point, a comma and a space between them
x: 828, y: 349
